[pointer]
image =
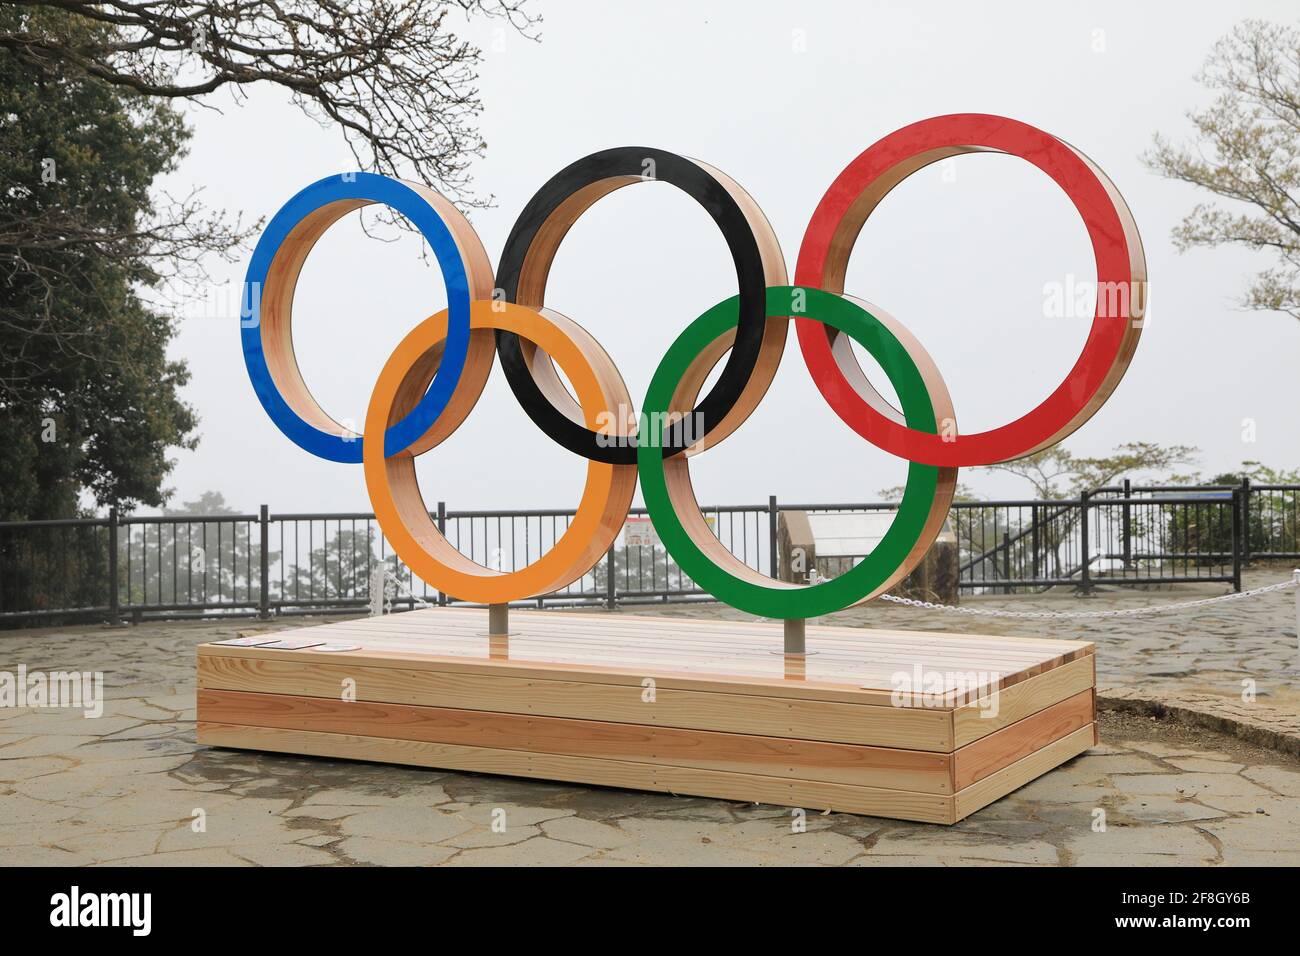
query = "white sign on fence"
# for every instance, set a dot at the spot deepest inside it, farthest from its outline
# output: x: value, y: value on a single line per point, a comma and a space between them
x: 638, y: 532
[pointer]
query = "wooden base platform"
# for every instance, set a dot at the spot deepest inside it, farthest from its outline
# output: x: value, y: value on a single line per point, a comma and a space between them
x: 910, y: 725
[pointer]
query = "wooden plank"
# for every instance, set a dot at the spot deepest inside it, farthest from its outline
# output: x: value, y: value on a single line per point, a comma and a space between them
x: 593, y: 633
x: 743, y: 753
x: 870, y: 665
x: 684, y: 630
x: 1019, y: 701
x: 709, y: 650
x: 750, y: 788
x: 999, y: 784
x: 718, y: 683
x: 905, y: 728
x: 726, y: 676
x: 721, y: 676
x: 1004, y: 747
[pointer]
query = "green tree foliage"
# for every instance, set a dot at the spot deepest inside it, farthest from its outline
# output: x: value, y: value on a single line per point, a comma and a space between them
x: 340, y: 568
x: 1039, y: 543
x: 1057, y: 472
x: 640, y: 568
x: 1272, y: 517
x: 89, y: 401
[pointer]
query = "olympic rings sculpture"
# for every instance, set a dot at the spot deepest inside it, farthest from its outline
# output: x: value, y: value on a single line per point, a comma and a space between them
x: 436, y: 374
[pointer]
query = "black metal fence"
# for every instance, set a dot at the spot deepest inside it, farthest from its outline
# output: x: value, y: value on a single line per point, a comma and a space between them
x: 1114, y: 536
x: 263, y: 564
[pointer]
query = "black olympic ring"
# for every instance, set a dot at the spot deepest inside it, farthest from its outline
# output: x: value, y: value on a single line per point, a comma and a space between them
x: 551, y: 212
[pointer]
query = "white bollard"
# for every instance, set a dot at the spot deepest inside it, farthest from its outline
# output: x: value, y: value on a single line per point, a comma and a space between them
x: 378, y: 582
x: 1296, y: 573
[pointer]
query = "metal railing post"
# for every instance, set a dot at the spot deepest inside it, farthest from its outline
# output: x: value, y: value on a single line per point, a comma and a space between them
x: 1006, y: 561
x: 442, y: 529
x: 264, y: 563
x: 1033, y: 540
x: 771, y: 540
x: 611, y: 584
x: 1245, y: 519
x: 1085, y: 583
x: 1237, y: 544
x: 1127, y: 521
x: 114, y: 598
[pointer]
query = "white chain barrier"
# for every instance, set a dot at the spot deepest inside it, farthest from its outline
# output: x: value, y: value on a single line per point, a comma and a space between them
x: 1080, y: 615
x: 385, y: 588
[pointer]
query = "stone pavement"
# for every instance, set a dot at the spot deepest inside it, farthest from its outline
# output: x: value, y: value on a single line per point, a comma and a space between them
x: 132, y: 787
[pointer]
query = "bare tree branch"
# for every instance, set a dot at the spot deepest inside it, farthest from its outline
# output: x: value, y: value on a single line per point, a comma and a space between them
x: 1248, y: 151
x: 391, y: 74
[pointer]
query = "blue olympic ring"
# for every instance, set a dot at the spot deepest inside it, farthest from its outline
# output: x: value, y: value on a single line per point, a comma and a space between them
x: 401, y: 198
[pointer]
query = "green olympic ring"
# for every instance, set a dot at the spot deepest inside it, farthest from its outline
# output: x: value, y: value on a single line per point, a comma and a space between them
x: 873, y: 571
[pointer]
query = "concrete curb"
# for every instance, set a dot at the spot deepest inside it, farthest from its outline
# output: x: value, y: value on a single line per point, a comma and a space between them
x: 1254, y: 723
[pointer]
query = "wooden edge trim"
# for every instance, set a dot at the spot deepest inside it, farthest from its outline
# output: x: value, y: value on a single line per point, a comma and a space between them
x: 855, y: 764
x: 999, y: 784
x: 792, y: 686
x: 1004, y: 747
x: 1020, y: 701
x: 870, y: 801
x: 907, y: 729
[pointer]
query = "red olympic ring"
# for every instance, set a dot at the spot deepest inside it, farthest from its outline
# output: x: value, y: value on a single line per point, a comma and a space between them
x: 838, y: 218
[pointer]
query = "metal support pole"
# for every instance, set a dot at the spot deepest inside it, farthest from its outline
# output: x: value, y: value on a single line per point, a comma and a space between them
x: 795, y: 631
x: 499, y: 631
x: 795, y: 657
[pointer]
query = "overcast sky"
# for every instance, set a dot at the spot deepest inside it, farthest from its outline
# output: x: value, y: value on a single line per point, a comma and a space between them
x: 781, y: 97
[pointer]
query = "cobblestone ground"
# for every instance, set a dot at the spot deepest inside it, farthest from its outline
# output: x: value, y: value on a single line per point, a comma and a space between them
x: 126, y: 788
